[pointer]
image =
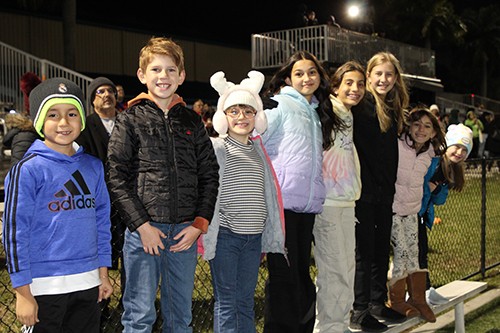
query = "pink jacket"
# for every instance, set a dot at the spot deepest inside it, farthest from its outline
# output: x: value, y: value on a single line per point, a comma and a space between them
x: 410, y: 180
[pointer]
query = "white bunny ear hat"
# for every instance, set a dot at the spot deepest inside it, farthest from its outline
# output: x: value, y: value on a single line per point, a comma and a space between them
x: 247, y: 93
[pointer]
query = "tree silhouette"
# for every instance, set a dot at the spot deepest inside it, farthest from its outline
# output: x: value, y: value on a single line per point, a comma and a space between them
x: 426, y: 22
x: 441, y: 23
x: 483, y: 40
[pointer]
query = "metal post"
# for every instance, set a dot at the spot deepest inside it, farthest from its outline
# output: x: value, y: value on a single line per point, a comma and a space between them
x: 483, y: 217
x: 254, y: 48
x: 289, y: 42
x: 43, y: 65
x: 459, y: 318
x: 325, y: 44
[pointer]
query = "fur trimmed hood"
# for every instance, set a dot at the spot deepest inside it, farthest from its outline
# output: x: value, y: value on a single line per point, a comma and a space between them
x: 19, y: 121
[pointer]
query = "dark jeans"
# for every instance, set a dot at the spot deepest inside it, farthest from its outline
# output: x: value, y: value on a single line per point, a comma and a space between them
x: 475, y: 148
x: 290, y: 292
x: 373, y: 236
x: 423, y: 250
x: 118, y: 228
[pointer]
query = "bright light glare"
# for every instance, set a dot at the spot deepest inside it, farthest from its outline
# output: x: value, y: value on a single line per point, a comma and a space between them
x: 353, y: 11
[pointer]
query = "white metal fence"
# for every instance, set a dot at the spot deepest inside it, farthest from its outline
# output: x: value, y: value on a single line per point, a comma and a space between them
x: 337, y: 46
x: 446, y: 105
x: 485, y: 102
x: 14, y: 63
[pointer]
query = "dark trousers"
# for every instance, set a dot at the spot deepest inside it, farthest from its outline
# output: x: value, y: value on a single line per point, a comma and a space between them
x: 118, y: 228
x: 290, y: 292
x: 73, y: 312
x: 373, y: 236
x: 423, y: 250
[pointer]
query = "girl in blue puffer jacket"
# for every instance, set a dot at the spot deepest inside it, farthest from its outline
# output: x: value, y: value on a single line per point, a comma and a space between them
x: 298, y: 130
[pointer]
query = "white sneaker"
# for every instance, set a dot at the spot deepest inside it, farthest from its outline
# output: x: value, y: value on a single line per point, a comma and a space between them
x: 434, y: 298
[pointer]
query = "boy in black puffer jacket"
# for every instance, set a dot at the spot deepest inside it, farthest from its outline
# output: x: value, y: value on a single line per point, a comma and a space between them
x: 163, y: 178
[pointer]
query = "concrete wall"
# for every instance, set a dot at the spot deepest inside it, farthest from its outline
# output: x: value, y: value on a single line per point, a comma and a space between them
x: 110, y: 51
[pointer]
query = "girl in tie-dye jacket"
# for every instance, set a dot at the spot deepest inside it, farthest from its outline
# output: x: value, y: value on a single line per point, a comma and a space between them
x: 334, y: 227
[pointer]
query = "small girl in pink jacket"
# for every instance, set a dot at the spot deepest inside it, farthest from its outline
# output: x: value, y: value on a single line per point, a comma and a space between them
x: 420, y: 141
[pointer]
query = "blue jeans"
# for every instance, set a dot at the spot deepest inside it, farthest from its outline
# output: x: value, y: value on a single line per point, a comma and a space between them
x: 143, y: 276
x: 235, y: 271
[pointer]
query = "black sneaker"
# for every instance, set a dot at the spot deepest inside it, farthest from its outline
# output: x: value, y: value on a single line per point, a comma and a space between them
x: 363, y: 320
x: 382, y: 312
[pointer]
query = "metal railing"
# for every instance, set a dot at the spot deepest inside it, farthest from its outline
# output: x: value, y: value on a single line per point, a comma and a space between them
x: 487, y: 103
x: 446, y: 105
x: 336, y: 46
x: 14, y: 63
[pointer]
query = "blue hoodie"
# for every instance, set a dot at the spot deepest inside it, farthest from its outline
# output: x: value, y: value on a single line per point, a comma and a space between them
x: 56, y: 216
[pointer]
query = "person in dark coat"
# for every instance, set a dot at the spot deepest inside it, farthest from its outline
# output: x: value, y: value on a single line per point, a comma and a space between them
x: 20, y: 136
x: 95, y: 136
x: 492, y: 145
x: 94, y: 139
x: 21, y: 131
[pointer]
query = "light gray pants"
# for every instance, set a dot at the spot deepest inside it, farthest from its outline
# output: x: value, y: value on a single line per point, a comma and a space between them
x: 334, y: 253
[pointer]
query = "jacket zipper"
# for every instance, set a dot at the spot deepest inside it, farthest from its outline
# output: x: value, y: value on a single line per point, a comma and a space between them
x: 311, y: 184
x: 173, y: 173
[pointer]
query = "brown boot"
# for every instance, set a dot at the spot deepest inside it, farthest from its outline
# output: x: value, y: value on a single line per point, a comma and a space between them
x: 416, y: 289
x: 397, y: 293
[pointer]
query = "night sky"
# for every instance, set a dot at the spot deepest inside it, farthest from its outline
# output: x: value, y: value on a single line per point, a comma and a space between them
x: 229, y: 22
x: 221, y: 21
x: 232, y: 22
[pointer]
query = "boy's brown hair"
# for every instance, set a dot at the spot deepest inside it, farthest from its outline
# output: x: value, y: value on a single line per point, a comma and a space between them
x: 161, y: 46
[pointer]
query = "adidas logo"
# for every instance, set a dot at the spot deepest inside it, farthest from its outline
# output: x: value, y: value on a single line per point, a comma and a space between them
x: 76, y: 199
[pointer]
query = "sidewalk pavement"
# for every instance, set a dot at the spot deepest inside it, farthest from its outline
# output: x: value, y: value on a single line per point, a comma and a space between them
x: 449, y: 317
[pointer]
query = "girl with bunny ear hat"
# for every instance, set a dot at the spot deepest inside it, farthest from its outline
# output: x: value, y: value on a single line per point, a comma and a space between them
x: 245, y: 93
x: 249, y: 217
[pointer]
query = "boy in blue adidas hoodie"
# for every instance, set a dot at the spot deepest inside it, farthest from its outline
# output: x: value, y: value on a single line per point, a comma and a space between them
x: 56, y: 219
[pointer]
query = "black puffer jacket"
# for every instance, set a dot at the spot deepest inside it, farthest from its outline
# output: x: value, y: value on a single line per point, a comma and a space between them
x: 161, y: 169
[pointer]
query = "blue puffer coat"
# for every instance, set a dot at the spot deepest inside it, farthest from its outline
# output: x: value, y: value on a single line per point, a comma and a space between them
x: 293, y: 141
x: 431, y: 199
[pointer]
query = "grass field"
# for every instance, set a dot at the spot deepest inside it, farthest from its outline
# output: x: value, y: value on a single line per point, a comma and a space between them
x: 455, y: 243
x: 485, y: 319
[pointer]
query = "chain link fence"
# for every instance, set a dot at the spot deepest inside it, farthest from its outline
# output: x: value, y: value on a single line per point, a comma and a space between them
x: 463, y: 243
